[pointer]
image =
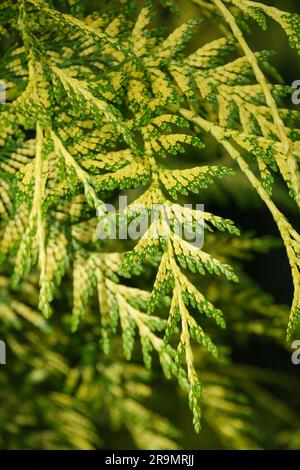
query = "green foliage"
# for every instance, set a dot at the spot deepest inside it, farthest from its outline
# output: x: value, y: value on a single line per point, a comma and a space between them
x: 104, y: 103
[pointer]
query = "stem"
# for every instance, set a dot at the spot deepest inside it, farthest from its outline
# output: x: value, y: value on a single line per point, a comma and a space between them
x: 37, y: 203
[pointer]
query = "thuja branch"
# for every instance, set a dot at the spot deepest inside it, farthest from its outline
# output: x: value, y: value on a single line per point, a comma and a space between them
x: 289, y: 173
x: 99, y: 116
x: 289, y: 235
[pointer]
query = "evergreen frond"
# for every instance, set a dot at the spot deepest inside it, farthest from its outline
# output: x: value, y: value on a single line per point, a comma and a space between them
x: 108, y: 104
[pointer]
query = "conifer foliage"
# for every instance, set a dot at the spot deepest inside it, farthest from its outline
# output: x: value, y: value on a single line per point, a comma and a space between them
x: 103, y: 103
